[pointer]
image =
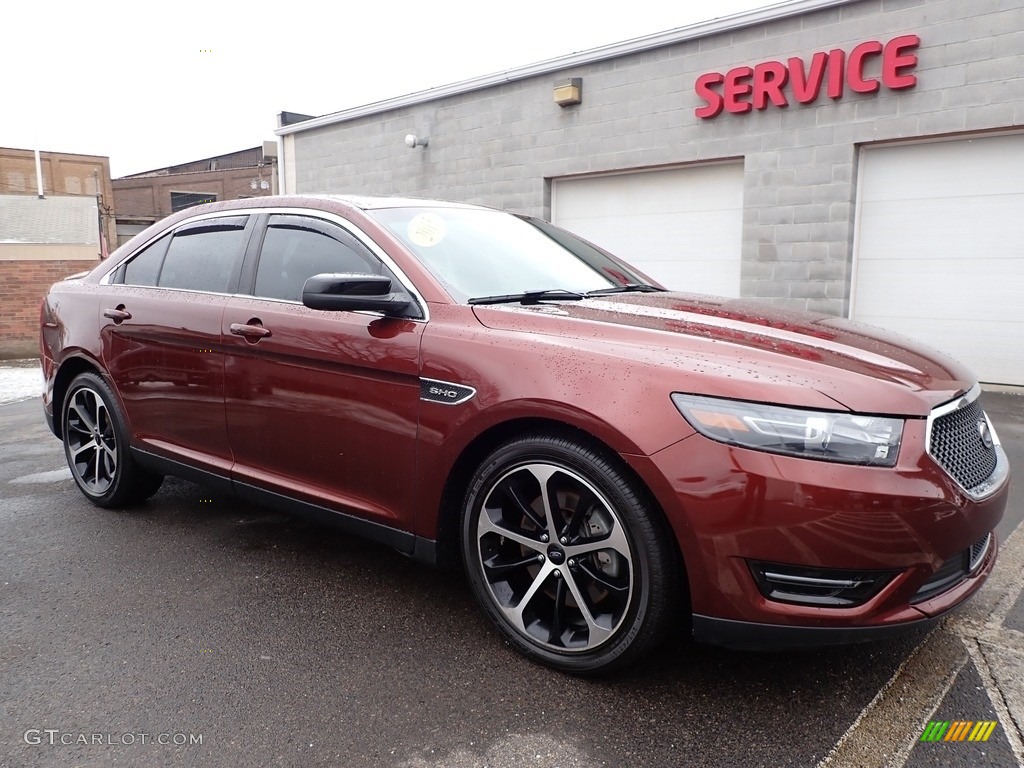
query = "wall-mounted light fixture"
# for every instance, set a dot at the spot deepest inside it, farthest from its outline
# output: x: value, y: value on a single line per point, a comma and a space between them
x: 569, y: 92
x: 412, y: 141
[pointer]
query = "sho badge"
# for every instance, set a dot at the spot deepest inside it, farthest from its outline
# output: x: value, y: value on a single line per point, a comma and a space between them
x: 435, y: 391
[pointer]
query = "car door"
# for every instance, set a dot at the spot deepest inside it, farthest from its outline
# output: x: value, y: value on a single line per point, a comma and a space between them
x: 322, y: 406
x: 161, y: 330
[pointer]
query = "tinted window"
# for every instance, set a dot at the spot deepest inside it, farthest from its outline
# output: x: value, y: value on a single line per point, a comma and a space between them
x: 296, y: 248
x: 202, y: 258
x: 144, y: 268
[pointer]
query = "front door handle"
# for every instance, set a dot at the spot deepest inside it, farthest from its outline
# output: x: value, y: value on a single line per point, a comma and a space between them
x: 119, y: 314
x: 252, y: 331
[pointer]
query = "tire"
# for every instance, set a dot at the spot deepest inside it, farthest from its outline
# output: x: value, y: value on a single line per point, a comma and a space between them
x: 96, y: 446
x: 605, y: 548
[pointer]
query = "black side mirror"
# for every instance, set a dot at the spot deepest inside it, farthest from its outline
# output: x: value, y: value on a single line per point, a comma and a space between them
x: 340, y: 292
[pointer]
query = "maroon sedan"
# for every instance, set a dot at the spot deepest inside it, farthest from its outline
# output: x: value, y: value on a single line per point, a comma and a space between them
x: 603, y: 457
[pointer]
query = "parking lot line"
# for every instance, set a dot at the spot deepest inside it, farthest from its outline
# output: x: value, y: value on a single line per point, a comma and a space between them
x: 887, y: 730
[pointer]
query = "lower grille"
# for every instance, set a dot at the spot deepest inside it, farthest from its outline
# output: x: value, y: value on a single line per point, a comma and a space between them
x: 823, y: 587
x: 954, y: 571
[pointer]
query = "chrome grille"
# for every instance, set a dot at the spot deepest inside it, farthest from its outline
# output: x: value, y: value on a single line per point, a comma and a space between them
x: 957, y: 445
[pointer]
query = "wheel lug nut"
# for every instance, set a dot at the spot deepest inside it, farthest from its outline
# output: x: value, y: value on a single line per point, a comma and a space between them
x: 571, y: 563
x: 544, y: 538
x: 541, y: 558
x: 558, y: 574
x: 564, y: 540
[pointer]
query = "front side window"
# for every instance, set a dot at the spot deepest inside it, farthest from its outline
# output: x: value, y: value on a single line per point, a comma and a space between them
x: 297, y: 247
x: 478, y: 253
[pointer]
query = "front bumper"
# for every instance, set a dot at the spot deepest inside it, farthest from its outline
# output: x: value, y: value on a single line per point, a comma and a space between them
x: 731, y: 506
x: 749, y: 635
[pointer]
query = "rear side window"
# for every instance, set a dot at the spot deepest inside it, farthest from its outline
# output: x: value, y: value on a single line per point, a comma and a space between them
x: 144, y: 268
x: 202, y: 256
x: 297, y: 247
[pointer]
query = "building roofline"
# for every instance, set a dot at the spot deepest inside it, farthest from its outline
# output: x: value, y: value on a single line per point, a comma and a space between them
x: 614, y: 50
x: 164, y: 171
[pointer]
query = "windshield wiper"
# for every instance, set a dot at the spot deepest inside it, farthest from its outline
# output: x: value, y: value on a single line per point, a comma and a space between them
x: 529, y: 297
x: 627, y: 288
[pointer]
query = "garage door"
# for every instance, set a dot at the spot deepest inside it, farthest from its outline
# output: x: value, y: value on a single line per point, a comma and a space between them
x: 939, y: 252
x: 682, y: 226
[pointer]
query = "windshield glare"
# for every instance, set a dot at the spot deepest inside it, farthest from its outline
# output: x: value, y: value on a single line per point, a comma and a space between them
x: 479, y: 253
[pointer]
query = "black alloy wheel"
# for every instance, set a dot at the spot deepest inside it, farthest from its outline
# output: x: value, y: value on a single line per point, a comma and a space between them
x: 96, y: 446
x: 567, y: 556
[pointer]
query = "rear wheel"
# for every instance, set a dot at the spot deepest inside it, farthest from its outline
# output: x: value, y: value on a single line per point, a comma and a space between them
x: 567, y: 556
x: 96, y: 446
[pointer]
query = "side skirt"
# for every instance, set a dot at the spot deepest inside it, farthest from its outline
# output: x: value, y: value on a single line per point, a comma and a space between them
x: 420, y: 549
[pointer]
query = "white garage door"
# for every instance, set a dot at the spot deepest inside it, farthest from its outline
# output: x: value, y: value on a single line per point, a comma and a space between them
x: 683, y: 226
x: 939, y: 253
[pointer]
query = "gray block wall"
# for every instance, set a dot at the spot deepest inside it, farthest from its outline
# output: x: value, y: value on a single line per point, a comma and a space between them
x: 502, y: 145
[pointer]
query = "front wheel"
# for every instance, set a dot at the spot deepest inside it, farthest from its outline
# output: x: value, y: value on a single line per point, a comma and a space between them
x: 96, y: 446
x: 567, y: 556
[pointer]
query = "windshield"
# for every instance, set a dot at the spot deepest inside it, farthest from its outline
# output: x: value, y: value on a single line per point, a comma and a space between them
x: 480, y: 253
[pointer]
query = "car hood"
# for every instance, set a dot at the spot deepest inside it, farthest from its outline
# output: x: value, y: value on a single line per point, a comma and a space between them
x: 748, y: 350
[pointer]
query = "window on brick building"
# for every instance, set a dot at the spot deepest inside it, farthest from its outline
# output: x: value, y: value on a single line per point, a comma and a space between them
x: 182, y: 200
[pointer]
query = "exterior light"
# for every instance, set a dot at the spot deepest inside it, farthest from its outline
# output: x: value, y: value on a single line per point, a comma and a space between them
x: 412, y: 141
x: 569, y: 92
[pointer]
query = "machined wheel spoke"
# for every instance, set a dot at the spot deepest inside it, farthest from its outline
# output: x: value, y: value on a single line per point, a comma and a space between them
x: 109, y: 462
x: 558, y: 614
x: 543, y: 474
x: 495, y: 567
x: 79, y: 428
x: 515, y: 613
x: 85, y: 418
x: 598, y: 634
x: 486, y: 525
x: 82, y: 447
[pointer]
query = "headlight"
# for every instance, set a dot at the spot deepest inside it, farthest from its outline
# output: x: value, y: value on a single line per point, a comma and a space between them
x: 823, y: 435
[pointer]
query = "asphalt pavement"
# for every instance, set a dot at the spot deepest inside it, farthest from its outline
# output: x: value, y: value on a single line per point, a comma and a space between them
x: 201, y: 630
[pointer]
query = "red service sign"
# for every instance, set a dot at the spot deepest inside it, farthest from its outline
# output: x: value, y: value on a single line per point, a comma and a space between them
x: 774, y: 82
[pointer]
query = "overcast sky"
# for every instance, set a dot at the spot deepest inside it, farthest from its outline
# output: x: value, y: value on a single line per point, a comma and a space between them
x: 155, y: 84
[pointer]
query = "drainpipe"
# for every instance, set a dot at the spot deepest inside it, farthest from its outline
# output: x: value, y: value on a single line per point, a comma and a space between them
x: 39, y: 176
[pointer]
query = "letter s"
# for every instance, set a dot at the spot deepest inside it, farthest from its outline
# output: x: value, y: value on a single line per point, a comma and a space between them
x: 713, y: 100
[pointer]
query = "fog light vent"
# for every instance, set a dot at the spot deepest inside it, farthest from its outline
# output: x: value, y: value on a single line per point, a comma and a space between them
x: 954, y: 571
x: 823, y: 587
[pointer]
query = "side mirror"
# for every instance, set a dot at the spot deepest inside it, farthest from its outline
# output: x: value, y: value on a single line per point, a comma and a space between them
x: 341, y: 292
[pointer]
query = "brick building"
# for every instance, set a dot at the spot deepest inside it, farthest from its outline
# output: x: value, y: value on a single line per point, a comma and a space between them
x: 861, y: 158
x: 45, y: 239
x: 143, y: 198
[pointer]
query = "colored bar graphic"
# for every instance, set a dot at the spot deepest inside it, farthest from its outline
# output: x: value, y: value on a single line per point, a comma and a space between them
x: 959, y: 730
x: 935, y: 730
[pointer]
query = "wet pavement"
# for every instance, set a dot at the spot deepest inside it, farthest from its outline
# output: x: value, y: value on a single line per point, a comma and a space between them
x: 276, y: 642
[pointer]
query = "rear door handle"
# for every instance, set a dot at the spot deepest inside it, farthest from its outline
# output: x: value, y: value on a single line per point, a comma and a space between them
x: 118, y: 315
x: 250, y: 331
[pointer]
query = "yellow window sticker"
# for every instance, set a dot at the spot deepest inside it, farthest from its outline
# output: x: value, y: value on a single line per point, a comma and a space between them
x: 427, y: 229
